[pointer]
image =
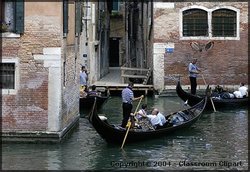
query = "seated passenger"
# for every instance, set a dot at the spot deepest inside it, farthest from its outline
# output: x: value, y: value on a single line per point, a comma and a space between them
x: 162, y: 117
x: 93, y: 91
x: 83, y: 91
x: 142, y: 112
x: 154, y: 119
x: 237, y: 94
x: 218, y: 89
x: 243, y: 90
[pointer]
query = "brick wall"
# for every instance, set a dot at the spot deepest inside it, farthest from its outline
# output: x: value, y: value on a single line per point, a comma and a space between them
x: 27, y: 109
x: 226, y: 63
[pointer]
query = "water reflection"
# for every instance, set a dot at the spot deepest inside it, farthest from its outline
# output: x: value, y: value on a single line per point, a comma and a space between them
x: 215, y: 138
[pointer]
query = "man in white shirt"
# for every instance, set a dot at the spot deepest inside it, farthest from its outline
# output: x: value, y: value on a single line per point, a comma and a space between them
x: 162, y: 117
x: 157, y: 119
x: 243, y: 90
x: 154, y: 119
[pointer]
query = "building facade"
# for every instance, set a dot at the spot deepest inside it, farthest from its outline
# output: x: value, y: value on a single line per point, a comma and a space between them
x: 40, y: 69
x: 94, y: 43
x: 216, y: 33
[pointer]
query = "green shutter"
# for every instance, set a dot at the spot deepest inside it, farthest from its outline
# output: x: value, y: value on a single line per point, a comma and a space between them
x: 65, y: 16
x: 78, y: 17
x: 115, y: 5
x: 19, y: 16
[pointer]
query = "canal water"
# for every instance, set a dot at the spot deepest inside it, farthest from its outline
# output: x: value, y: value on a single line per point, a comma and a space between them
x: 218, y: 141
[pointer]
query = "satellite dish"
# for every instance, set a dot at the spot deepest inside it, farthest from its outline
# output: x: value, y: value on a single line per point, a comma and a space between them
x: 209, y: 45
x: 195, y: 46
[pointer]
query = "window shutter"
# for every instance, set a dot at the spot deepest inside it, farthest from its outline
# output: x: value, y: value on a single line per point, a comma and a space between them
x: 65, y: 16
x: 115, y: 5
x: 19, y: 16
x: 78, y: 17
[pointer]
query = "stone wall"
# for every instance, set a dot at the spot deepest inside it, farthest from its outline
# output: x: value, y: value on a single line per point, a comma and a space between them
x: 226, y: 63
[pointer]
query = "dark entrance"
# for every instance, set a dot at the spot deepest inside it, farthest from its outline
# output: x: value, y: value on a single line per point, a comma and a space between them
x: 114, y: 52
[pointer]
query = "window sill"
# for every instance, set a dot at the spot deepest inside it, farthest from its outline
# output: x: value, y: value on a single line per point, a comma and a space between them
x: 209, y: 38
x: 9, y: 35
x: 9, y: 91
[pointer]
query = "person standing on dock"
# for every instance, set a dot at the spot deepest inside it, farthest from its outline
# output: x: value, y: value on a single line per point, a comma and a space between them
x: 127, y: 99
x: 193, y: 71
x: 83, y: 76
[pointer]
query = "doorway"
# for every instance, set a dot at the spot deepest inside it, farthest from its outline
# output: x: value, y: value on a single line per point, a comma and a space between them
x: 114, y: 52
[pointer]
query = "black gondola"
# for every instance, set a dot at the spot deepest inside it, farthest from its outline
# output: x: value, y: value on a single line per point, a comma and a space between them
x: 218, y: 102
x: 88, y: 102
x: 115, y: 134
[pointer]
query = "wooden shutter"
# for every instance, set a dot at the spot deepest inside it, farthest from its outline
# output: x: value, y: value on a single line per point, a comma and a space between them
x: 65, y: 16
x: 19, y: 16
x: 78, y: 17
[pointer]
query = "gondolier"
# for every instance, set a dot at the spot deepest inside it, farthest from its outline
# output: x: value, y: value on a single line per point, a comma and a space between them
x: 127, y: 99
x: 193, y: 71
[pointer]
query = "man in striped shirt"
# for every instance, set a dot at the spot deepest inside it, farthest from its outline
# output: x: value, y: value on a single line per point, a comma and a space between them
x: 127, y: 99
x: 193, y: 72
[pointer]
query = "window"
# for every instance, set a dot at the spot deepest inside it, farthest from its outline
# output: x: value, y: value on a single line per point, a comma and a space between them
x: 115, y: 6
x: 7, y: 13
x: 195, y: 22
x: 12, y: 16
x: 224, y: 23
x: 220, y: 23
x: 7, y: 74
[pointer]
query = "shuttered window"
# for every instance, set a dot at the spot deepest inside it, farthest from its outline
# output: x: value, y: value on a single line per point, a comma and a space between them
x: 7, y: 74
x: 19, y: 16
x: 224, y: 23
x: 12, y: 16
x: 65, y: 16
x: 195, y: 22
x: 78, y: 18
x: 115, y: 6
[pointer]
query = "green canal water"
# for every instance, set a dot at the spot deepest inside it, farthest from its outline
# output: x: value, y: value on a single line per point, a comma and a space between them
x: 218, y: 141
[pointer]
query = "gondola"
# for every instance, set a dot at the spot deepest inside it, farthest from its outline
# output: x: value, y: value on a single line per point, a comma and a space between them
x: 218, y: 102
x: 87, y: 102
x: 114, y: 134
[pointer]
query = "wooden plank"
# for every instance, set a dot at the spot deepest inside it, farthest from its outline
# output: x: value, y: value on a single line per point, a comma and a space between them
x: 134, y: 69
x: 134, y: 76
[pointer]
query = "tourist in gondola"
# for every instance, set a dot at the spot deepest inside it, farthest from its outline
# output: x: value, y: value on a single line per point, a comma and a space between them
x: 162, y: 117
x: 143, y: 121
x: 142, y: 112
x: 93, y: 91
x: 243, y: 90
x: 154, y: 119
x: 83, y: 91
x: 127, y: 99
x: 193, y: 72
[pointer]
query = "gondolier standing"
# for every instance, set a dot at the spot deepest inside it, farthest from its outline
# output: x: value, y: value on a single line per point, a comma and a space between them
x: 193, y: 71
x: 127, y: 99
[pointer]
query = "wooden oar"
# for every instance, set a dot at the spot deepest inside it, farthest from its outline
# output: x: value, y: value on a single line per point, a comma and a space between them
x: 129, y: 124
x: 210, y: 97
